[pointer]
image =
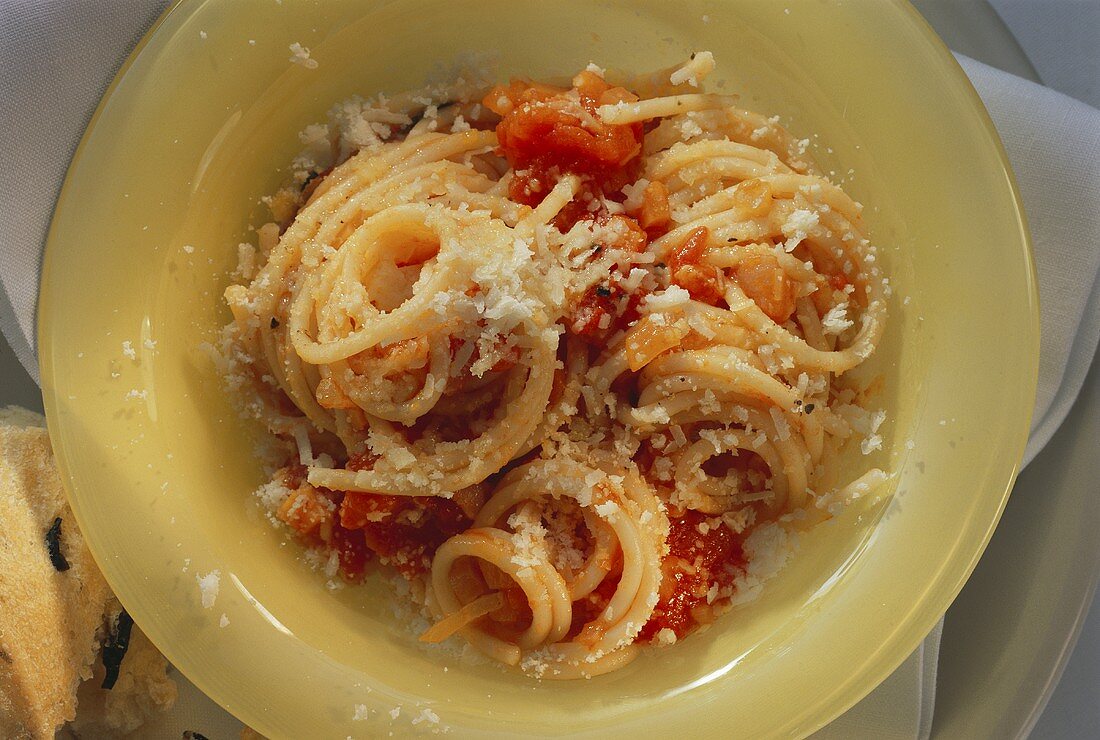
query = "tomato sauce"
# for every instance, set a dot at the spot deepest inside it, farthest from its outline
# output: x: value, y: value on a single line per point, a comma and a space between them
x: 409, y: 541
x: 403, y: 530
x: 587, y: 318
x: 767, y: 284
x: 695, y: 561
x: 351, y: 550
x: 547, y: 133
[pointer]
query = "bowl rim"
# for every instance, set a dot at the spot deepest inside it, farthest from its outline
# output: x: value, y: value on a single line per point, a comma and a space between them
x: 883, y: 664
x: 954, y: 71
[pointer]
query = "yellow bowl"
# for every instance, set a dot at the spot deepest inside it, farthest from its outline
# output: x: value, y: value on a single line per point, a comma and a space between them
x: 159, y: 467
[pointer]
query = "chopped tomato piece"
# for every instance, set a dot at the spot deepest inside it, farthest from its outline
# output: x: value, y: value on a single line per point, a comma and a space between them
x: 562, y: 128
x: 632, y: 237
x: 588, y: 317
x: 690, y: 251
x: 546, y: 133
x: 766, y: 283
x: 704, y: 283
x: 654, y: 212
x: 304, y: 510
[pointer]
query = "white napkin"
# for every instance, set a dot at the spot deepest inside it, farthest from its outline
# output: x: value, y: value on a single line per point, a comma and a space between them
x: 57, y: 57
x: 1061, y: 39
x: 1053, y: 142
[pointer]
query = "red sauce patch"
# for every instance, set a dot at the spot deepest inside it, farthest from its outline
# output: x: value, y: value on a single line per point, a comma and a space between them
x: 694, y: 562
x: 351, y: 549
x: 586, y: 319
x: 404, y: 530
x: 364, y: 460
x: 546, y: 133
x: 839, y: 281
x: 294, y: 475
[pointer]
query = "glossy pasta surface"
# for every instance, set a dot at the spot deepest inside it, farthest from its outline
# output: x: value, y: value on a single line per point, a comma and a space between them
x: 567, y: 358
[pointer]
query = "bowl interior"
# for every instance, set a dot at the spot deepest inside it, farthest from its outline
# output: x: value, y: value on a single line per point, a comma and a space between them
x: 200, y: 125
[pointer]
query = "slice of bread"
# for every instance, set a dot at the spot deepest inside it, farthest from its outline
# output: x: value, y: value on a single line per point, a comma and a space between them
x: 142, y: 690
x: 48, y: 618
x: 52, y: 617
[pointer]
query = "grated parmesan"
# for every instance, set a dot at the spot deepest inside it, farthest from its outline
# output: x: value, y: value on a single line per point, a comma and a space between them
x: 208, y: 587
x: 300, y: 55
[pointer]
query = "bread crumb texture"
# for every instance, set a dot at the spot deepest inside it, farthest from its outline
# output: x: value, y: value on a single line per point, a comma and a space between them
x: 52, y: 622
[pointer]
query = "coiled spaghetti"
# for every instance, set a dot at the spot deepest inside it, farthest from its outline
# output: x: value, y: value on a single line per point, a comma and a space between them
x: 557, y: 353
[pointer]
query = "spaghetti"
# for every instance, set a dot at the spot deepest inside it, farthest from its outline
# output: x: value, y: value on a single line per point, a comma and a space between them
x: 557, y: 354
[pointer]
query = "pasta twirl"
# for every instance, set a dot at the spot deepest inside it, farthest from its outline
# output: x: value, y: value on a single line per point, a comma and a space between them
x: 557, y: 354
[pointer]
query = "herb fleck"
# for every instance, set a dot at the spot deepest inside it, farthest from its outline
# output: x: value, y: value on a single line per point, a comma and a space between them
x: 53, y: 545
x: 115, y: 647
